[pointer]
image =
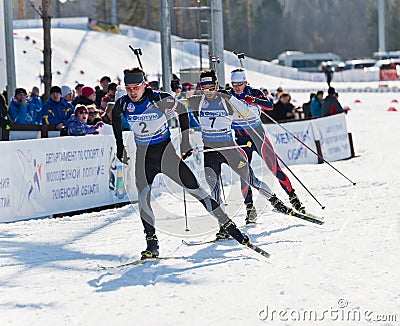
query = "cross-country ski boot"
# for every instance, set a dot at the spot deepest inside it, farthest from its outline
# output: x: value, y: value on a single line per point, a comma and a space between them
x: 279, y: 205
x: 222, y: 234
x: 296, y: 203
x: 251, y: 217
x: 232, y: 229
x: 152, y: 248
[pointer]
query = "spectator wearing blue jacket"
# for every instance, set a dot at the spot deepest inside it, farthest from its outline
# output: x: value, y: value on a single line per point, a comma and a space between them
x: 77, y: 123
x: 316, y: 104
x: 35, y: 103
x: 20, y: 112
x: 56, y: 110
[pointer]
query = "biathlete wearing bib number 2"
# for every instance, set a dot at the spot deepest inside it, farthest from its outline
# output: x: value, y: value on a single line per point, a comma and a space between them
x: 215, y: 111
x: 252, y: 130
x: 147, y: 112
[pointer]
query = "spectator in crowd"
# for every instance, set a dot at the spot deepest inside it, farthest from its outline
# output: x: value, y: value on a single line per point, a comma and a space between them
x: 20, y: 111
x: 266, y: 95
x: 306, y: 106
x: 328, y: 70
x: 106, y: 117
x: 36, y: 106
x: 154, y: 85
x: 78, y: 92
x: 4, y: 118
x: 316, y: 105
x: 331, y: 105
x: 277, y: 94
x: 5, y: 95
x: 177, y: 87
x: 94, y: 114
x: 109, y: 97
x: 283, y: 109
x: 77, y: 123
x: 56, y: 110
x: 66, y: 93
x: 104, y: 81
x: 88, y: 96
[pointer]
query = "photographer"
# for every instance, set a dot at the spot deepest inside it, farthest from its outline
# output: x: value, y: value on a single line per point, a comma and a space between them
x: 20, y: 112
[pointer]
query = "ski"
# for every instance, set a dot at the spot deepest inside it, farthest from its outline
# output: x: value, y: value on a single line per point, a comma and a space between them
x: 250, y: 245
x: 306, y: 217
x: 199, y: 243
x: 258, y: 250
x: 135, y: 262
x: 252, y: 224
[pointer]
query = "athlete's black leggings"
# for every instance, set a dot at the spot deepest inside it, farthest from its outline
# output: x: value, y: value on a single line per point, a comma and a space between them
x: 236, y: 159
x: 262, y: 146
x: 162, y: 158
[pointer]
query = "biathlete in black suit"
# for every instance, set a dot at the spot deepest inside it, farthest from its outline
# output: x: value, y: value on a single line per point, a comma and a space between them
x: 147, y: 112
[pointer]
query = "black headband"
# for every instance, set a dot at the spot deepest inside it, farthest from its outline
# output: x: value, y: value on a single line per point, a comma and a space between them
x: 133, y: 78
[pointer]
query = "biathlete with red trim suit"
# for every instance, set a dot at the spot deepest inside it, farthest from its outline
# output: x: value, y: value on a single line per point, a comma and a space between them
x: 251, y: 129
x: 147, y: 112
x: 215, y: 110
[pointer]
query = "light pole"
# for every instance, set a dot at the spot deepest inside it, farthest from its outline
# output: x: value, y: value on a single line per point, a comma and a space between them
x: 9, y: 41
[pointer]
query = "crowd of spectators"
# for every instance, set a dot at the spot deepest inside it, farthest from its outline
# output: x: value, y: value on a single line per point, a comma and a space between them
x: 79, y: 111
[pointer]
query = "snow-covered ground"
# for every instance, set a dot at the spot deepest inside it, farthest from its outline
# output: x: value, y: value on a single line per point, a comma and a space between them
x: 343, y: 273
x: 49, y: 273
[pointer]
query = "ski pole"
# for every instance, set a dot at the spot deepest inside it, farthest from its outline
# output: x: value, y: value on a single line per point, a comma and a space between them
x: 138, y: 53
x: 184, y: 205
x: 223, y: 190
x: 306, y: 146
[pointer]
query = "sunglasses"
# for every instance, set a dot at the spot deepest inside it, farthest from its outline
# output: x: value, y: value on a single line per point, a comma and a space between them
x: 134, y: 87
x: 83, y: 112
x: 237, y: 84
x: 93, y: 112
x: 211, y: 89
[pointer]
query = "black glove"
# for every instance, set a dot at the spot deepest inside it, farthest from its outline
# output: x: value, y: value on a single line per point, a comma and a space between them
x: 186, y: 149
x: 122, y: 155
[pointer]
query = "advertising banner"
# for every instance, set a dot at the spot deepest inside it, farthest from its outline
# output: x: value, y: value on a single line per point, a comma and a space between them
x: 333, y: 135
x: 288, y: 148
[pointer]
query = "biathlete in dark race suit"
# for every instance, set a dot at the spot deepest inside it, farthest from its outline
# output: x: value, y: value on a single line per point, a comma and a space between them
x: 215, y: 110
x: 147, y: 112
x: 251, y: 129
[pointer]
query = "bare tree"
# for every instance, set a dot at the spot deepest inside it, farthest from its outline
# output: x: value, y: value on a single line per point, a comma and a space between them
x: 21, y: 9
x: 43, y: 12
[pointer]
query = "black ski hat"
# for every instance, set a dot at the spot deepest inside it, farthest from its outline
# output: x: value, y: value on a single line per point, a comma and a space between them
x: 20, y: 91
x: 55, y: 89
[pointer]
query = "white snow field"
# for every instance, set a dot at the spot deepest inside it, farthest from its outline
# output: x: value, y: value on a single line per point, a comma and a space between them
x: 345, y: 272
